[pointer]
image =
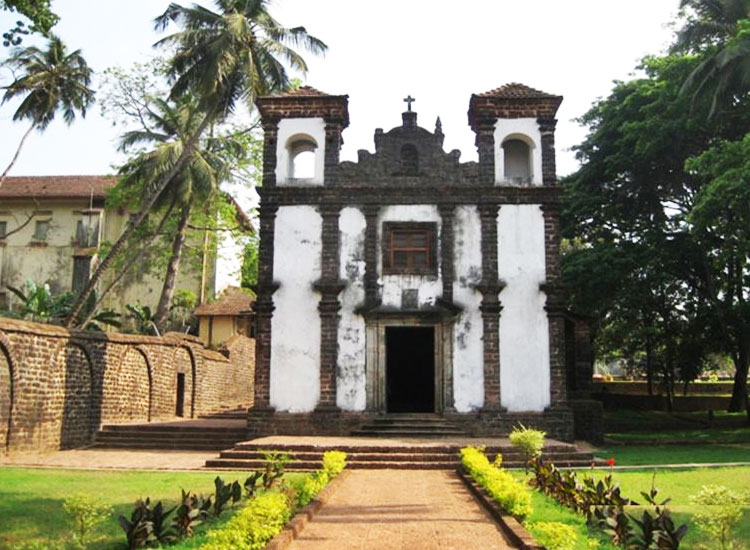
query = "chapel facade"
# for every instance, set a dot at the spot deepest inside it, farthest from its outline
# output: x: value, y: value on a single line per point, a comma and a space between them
x: 409, y: 282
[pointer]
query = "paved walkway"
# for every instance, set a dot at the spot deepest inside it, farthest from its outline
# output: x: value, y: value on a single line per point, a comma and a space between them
x: 401, y: 510
x: 110, y: 459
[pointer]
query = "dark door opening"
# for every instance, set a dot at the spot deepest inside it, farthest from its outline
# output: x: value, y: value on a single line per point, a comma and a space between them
x: 410, y: 369
x: 180, y: 394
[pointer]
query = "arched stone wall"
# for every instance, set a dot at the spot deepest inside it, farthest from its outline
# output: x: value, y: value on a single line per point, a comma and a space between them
x: 127, y: 389
x: 6, y: 391
x: 77, y: 411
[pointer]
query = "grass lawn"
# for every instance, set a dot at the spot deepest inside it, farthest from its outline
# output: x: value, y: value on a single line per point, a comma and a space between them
x: 679, y: 485
x: 546, y: 509
x: 621, y: 422
x: 31, y: 500
x: 638, y: 455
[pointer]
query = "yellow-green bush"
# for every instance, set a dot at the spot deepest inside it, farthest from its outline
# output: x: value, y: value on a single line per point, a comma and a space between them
x: 334, y: 462
x: 554, y: 535
x: 308, y: 486
x: 509, y: 493
x: 253, y: 526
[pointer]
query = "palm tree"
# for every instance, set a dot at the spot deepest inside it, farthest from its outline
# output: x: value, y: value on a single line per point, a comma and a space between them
x: 171, y: 126
x: 233, y: 54
x: 52, y: 80
x: 718, y: 30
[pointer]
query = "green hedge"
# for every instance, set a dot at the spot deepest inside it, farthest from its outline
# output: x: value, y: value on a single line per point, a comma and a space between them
x: 265, y: 516
x: 512, y: 495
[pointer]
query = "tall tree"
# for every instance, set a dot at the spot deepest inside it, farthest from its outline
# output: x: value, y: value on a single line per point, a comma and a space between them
x: 625, y: 215
x: 196, y: 181
x: 50, y: 81
x: 721, y: 224
x: 718, y: 30
x: 234, y: 54
x: 37, y: 11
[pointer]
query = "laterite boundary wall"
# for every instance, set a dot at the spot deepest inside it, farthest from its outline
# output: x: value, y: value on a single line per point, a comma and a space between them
x: 57, y: 387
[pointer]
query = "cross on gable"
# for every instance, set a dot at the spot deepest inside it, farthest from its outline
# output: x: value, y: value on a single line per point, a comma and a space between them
x: 409, y: 100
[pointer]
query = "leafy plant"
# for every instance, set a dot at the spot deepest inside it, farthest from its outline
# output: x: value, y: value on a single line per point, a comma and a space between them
x: 138, y: 529
x: 144, y: 318
x: 275, y: 465
x: 554, y: 535
x: 86, y: 514
x: 527, y: 440
x: 251, y: 484
x: 192, y: 511
x: 222, y: 495
x: 720, y: 511
x: 162, y: 530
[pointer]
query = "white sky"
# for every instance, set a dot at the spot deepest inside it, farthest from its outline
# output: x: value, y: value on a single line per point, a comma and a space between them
x: 438, y: 51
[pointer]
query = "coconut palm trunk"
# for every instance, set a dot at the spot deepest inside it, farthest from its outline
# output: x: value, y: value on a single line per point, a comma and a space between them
x: 156, y: 190
x: 18, y: 152
x: 167, y: 291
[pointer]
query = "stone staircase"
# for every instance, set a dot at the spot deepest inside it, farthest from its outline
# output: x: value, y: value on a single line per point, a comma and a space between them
x: 409, y: 425
x: 389, y: 455
x: 198, y: 435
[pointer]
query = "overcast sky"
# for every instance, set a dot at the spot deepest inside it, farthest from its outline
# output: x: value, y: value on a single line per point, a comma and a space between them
x: 438, y: 51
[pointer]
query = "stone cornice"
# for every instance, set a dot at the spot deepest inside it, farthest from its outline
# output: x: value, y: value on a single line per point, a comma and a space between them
x: 383, y: 196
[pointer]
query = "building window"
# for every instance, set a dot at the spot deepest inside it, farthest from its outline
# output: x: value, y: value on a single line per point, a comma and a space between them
x: 410, y: 248
x: 517, y: 161
x: 3, y: 229
x: 87, y: 231
x: 41, y: 230
x: 81, y: 272
x: 302, y: 157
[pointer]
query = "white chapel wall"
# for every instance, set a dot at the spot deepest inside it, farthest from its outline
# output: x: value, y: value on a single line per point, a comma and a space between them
x: 524, y: 329
x: 468, y: 369
x: 351, y: 392
x: 295, y: 346
x: 429, y: 287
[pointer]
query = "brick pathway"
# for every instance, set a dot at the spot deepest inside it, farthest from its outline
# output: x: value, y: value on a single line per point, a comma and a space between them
x: 401, y: 510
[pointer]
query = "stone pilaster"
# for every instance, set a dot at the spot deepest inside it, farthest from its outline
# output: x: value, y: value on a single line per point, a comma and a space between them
x: 447, y: 260
x: 371, y: 255
x: 485, y: 142
x: 264, y: 306
x: 329, y: 287
x: 332, y: 152
x: 547, y: 129
x: 270, y: 135
x: 490, y: 288
x: 555, y: 305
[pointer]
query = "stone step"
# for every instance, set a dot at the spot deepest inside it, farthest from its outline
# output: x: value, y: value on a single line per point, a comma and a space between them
x: 364, y: 448
x: 315, y: 465
x: 311, y: 465
x: 161, y: 445
x: 406, y: 432
x: 168, y: 438
x: 171, y: 429
x: 388, y: 457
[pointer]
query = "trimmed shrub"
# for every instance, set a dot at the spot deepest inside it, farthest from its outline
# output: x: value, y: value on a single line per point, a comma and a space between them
x: 253, y: 526
x: 554, y: 535
x: 306, y: 488
x: 512, y: 495
x: 527, y: 440
x: 334, y: 463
